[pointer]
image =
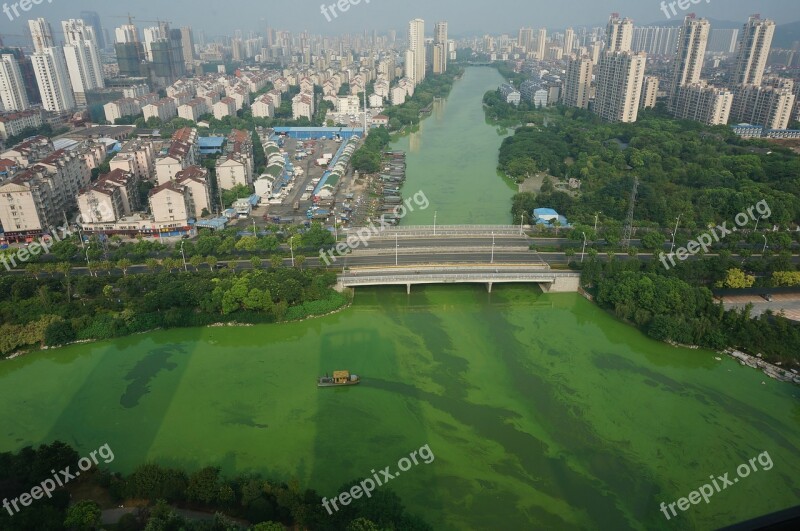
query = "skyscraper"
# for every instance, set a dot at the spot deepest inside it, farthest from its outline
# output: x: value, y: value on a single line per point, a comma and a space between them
x: 753, y: 51
x: 130, y: 52
x: 187, y: 40
x: 53, y: 80
x: 578, y: 81
x: 42, y: 34
x: 440, y: 48
x: 12, y: 86
x: 619, y: 86
x: 82, y: 58
x: 415, y: 55
x: 619, y: 34
x: 525, y: 39
x: 569, y: 40
x: 93, y: 19
x: 541, y: 44
x: 692, y: 41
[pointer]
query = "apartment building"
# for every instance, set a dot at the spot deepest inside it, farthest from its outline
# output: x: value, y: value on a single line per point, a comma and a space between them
x: 263, y: 107
x: 116, y: 110
x: 52, y: 77
x: 193, y: 110
x: 619, y: 86
x: 769, y: 106
x: 111, y: 197
x: 649, y: 92
x: 195, y: 181
x: 164, y: 110
x: 169, y: 206
x: 303, y: 106
x: 13, y: 96
x: 28, y: 152
x: 578, y: 81
x: 753, y: 51
x: 235, y: 167
x: 224, y: 107
x: 181, y: 153
x: 136, y: 157
x: 692, y: 42
x: 15, y: 123
x: 703, y: 103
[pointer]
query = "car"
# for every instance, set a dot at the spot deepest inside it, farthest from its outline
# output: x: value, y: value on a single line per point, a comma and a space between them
x: 767, y: 297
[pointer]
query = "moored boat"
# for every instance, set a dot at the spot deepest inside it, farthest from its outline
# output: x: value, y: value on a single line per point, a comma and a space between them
x: 339, y: 378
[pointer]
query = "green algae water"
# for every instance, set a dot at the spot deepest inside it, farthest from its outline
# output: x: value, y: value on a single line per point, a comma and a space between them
x: 453, y: 159
x: 542, y: 411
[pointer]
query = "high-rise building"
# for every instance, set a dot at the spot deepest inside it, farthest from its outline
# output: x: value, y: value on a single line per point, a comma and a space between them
x: 82, y: 58
x: 703, y: 103
x: 753, y: 51
x: 655, y: 40
x: 126, y: 34
x: 541, y: 44
x: 692, y: 42
x: 619, y: 85
x: 769, y: 106
x: 569, y: 40
x: 93, y: 19
x: 440, y: 48
x: 12, y: 87
x: 415, y: 55
x: 578, y: 81
x: 187, y: 40
x: 28, y: 76
x: 619, y: 34
x: 151, y: 35
x: 525, y: 39
x: 649, y: 92
x: 42, y: 34
x: 53, y: 80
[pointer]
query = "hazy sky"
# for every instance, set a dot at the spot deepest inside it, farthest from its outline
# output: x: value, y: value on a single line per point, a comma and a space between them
x: 464, y: 16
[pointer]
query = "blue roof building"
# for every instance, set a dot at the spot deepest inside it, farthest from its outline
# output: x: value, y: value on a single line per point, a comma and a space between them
x: 210, y: 145
x: 547, y: 217
x: 310, y: 133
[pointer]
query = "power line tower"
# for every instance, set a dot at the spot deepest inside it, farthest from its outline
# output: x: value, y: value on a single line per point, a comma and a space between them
x: 626, y: 238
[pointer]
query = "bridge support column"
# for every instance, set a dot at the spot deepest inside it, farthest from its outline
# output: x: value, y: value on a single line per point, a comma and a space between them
x: 408, y: 288
x: 489, y: 286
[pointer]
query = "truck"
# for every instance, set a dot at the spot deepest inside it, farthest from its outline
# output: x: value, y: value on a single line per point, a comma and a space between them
x: 296, y: 205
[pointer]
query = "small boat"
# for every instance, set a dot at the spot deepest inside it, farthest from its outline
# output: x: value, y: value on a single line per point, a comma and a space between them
x: 339, y: 378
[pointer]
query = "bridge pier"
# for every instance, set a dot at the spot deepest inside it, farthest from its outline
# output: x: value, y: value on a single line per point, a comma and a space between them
x: 408, y: 288
x: 489, y: 286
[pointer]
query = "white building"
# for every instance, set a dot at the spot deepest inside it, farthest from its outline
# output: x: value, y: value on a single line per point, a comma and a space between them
x: 164, y: 110
x: 263, y: 107
x: 12, y: 87
x: 14, y: 124
x: 82, y: 58
x: 303, y: 106
x: 224, y: 107
x: 415, y: 55
x: 114, y: 110
x: 53, y: 80
x: 193, y: 110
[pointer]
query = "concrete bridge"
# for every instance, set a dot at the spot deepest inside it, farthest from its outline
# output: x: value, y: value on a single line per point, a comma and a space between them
x: 550, y: 281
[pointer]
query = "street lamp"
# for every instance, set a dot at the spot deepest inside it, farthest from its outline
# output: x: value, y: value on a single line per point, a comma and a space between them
x: 678, y: 220
x: 291, y: 248
x: 184, y: 257
x: 255, y: 235
x: 434, y: 222
x: 764, y: 250
x: 584, y: 247
x: 521, y: 223
x: 87, y: 257
x: 396, y: 251
x: 492, y: 247
x: 596, y: 218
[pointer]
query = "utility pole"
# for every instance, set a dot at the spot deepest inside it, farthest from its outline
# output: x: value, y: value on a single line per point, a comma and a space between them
x: 626, y: 239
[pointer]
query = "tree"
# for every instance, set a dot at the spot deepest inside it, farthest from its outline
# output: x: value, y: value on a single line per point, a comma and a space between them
x: 211, y: 260
x: 737, y: 279
x: 255, y: 261
x: 84, y: 515
x: 653, y: 241
x: 268, y: 526
x: 123, y: 264
x: 34, y: 270
x: 196, y: 261
x: 152, y: 264
x: 362, y: 524
x: 276, y: 261
x: 299, y: 261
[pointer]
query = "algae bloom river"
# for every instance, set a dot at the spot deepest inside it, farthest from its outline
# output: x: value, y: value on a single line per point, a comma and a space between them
x: 542, y: 411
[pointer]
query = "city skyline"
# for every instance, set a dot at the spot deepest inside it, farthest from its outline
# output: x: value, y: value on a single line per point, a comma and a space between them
x: 465, y: 18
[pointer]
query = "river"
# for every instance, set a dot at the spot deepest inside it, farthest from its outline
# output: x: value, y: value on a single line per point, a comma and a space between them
x: 542, y: 411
